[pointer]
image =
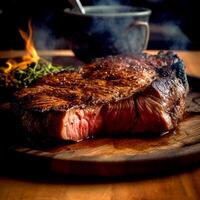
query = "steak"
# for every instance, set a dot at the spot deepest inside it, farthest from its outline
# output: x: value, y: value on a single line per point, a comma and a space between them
x: 110, y: 96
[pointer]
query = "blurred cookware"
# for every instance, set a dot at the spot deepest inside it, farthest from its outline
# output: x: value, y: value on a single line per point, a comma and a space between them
x: 107, y: 30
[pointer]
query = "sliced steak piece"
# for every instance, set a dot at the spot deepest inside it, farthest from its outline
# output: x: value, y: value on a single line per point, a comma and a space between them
x: 113, y: 95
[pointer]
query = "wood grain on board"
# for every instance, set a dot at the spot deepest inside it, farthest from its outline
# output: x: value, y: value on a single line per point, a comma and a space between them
x: 183, y: 185
x: 122, y: 156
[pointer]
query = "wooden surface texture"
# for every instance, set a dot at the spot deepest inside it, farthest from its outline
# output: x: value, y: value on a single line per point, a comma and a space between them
x: 180, y: 184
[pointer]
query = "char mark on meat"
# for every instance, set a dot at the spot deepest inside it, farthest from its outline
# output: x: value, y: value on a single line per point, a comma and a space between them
x: 112, y: 95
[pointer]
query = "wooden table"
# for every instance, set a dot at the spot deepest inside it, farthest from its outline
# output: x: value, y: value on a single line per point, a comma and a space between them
x: 177, y: 185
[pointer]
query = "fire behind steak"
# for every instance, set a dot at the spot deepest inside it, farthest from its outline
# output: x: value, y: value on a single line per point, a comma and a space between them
x: 113, y: 95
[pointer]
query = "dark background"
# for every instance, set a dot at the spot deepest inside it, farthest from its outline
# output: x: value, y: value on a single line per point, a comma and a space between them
x: 174, y: 24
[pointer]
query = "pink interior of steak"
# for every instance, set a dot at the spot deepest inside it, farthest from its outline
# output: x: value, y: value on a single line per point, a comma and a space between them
x: 154, y: 110
x: 77, y: 124
x: 112, y: 95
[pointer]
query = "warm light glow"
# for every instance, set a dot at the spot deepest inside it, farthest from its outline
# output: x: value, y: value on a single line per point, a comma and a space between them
x: 29, y: 57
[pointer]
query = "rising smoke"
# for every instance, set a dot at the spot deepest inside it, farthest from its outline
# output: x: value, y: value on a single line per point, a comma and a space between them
x: 176, y: 35
x: 170, y: 33
x: 45, y: 38
x: 112, y: 2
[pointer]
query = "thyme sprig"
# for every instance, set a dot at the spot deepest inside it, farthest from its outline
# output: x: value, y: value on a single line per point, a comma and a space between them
x: 23, y: 78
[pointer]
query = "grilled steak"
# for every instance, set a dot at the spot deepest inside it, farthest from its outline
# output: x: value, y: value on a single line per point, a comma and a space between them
x: 113, y: 95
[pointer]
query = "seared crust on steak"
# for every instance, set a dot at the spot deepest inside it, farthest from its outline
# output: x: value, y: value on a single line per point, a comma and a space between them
x: 106, y: 80
x: 111, y: 95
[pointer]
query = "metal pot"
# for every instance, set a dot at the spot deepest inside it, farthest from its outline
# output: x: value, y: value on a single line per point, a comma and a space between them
x: 107, y: 30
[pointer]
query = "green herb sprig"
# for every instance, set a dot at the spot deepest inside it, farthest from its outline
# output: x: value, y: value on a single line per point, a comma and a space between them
x: 23, y: 78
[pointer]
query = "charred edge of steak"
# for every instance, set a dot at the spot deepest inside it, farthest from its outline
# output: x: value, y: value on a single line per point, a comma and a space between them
x: 112, y: 95
x: 114, y: 79
x: 107, y: 80
x: 155, y: 110
x: 177, y: 65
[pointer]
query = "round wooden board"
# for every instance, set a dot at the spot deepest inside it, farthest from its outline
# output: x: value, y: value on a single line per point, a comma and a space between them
x: 124, y: 156
x: 120, y: 156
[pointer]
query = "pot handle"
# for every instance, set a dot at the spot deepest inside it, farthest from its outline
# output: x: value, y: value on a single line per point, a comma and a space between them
x: 147, y: 31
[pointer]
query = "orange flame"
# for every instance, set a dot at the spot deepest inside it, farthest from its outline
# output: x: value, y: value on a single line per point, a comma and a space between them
x: 29, y: 57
